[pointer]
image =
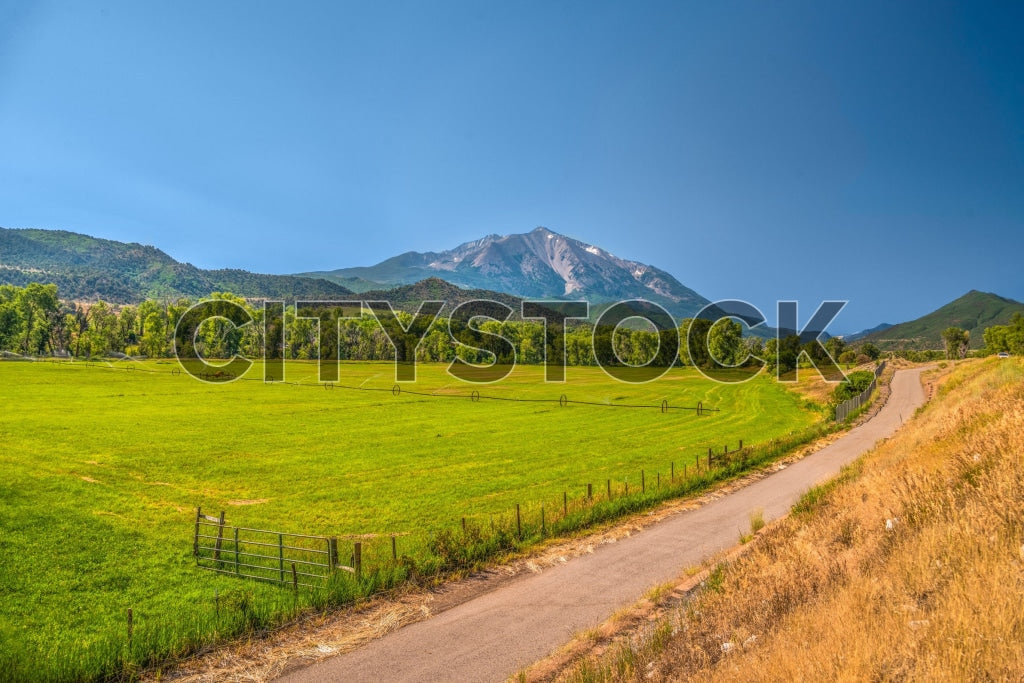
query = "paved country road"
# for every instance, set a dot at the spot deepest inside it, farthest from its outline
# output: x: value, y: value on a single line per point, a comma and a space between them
x: 494, y: 635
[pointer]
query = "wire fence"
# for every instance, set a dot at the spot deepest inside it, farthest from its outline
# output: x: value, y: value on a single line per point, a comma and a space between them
x: 298, y: 560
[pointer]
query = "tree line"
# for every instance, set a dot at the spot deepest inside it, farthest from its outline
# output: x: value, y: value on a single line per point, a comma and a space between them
x: 34, y: 321
x: 1008, y: 338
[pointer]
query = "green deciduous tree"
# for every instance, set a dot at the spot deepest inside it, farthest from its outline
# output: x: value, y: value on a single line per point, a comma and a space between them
x: 101, y: 335
x: 154, y: 340
x: 38, y: 307
x: 693, y: 337
x: 870, y: 350
x: 835, y: 347
x: 1008, y: 337
x: 956, y: 341
x: 725, y: 341
x: 10, y: 317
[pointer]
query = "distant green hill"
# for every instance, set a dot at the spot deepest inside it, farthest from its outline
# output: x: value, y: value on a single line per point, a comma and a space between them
x: 87, y: 268
x: 863, y: 333
x: 356, y: 284
x: 409, y: 297
x: 973, y: 312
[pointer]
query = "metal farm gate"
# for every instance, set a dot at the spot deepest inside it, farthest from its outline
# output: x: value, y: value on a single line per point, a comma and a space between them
x: 278, y: 557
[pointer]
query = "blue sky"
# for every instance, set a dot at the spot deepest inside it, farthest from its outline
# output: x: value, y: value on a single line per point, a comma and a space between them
x: 864, y: 151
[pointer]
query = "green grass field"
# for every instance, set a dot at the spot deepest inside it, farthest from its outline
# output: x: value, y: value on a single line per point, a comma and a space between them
x: 103, y: 469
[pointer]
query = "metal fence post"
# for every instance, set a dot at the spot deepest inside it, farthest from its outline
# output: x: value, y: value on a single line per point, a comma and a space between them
x: 220, y: 536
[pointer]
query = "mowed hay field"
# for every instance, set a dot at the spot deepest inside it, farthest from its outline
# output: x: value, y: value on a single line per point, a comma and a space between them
x: 103, y: 469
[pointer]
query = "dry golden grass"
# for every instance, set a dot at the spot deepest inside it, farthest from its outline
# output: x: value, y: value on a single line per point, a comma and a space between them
x: 911, y: 567
x: 811, y: 386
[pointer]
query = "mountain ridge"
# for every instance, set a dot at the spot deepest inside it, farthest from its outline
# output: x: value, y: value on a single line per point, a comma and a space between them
x: 863, y: 333
x: 90, y: 268
x: 537, y: 264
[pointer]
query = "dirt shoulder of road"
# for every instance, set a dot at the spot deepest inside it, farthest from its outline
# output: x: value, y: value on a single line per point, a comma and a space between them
x: 317, y: 636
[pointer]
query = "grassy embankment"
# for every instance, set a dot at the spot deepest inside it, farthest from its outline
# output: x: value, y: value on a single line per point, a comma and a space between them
x: 103, y: 469
x: 910, y: 566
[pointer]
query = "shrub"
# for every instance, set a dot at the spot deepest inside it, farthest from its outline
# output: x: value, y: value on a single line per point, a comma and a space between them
x: 856, y: 382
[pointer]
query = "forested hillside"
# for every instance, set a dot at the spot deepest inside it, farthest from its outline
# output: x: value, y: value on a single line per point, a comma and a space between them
x: 972, y: 312
x: 90, y: 269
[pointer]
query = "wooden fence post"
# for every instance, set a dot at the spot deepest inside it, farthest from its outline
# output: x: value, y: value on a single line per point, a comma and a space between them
x: 295, y: 579
x: 463, y: 525
x: 394, y: 547
x: 643, y: 482
x: 332, y: 554
x: 673, y: 472
x: 357, y: 559
x: 609, y: 489
x: 519, y: 523
x: 543, y: 529
x: 741, y: 444
x: 659, y: 481
x: 131, y: 626
x: 590, y: 492
x: 565, y: 504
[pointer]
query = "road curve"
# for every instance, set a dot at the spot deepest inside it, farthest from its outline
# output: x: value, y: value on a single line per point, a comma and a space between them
x: 494, y: 635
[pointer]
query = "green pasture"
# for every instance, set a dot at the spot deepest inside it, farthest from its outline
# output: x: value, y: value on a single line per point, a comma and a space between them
x: 103, y: 469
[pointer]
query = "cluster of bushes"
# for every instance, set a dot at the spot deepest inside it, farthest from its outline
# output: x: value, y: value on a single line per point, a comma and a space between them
x: 1008, y: 338
x: 855, y: 384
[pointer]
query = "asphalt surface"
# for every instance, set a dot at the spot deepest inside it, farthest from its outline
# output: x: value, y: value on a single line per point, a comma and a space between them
x: 494, y: 635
